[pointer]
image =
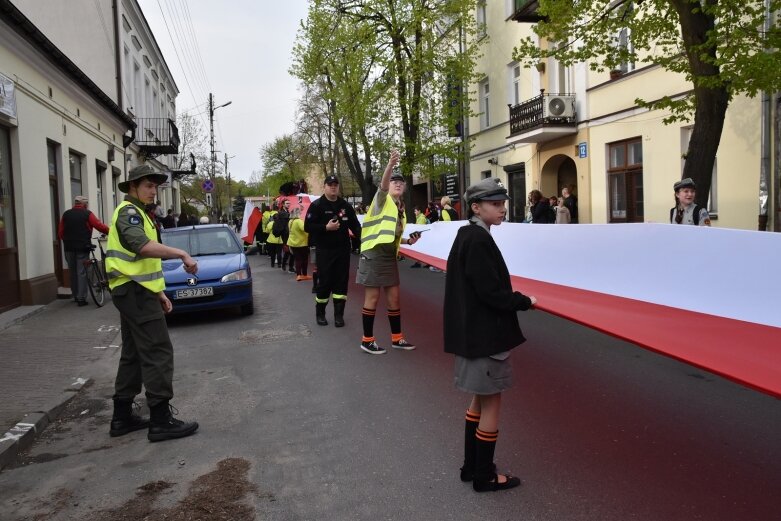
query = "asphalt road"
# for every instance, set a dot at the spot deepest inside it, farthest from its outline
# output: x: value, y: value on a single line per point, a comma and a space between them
x: 597, y: 429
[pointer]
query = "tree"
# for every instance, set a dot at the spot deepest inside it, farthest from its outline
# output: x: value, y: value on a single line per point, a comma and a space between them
x: 389, y: 68
x: 720, y: 46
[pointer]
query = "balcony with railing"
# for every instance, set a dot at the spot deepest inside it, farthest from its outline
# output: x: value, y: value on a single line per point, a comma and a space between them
x: 543, y: 118
x: 526, y: 11
x: 156, y: 136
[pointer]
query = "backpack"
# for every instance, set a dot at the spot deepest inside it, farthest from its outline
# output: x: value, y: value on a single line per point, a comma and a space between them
x: 278, y: 228
x: 695, y: 215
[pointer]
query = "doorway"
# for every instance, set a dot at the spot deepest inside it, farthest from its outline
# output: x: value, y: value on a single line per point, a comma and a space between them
x: 52, y: 150
x: 10, y: 295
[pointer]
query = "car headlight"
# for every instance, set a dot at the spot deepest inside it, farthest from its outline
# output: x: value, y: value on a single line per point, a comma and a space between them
x: 236, y: 275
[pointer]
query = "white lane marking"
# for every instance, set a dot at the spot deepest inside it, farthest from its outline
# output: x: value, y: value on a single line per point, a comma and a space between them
x: 107, y: 329
x: 79, y: 381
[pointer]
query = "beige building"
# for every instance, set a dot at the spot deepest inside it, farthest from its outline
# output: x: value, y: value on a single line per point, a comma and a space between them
x: 67, y: 128
x: 550, y: 126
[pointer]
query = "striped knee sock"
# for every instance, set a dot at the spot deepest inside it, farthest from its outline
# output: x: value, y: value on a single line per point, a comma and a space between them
x: 368, y: 323
x: 394, y: 317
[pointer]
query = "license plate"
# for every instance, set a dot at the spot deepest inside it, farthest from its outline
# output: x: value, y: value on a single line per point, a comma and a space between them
x: 194, y: 293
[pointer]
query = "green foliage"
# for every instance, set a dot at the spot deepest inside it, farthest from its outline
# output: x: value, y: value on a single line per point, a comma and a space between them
x: 387, y: 69
x: 714, y: 44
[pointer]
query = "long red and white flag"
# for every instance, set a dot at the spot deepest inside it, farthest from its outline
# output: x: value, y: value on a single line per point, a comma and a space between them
x: 705, y: 296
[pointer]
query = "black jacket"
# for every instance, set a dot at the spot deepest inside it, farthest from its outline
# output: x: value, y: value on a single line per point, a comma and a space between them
x: 480, y: 304
x: 320, y: 212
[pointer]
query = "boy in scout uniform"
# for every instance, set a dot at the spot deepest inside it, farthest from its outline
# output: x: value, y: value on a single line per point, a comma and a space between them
x: 134, y: 268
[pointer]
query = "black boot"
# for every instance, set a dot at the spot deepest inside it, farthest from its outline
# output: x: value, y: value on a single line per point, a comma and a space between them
x: 163, y: 425
x: 485, y: 478
x: 124, y: 421
x: 339, y: 312
x: 320, y: 313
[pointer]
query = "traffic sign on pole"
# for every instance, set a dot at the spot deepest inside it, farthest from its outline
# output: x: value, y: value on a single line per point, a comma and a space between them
x: 207, y: 185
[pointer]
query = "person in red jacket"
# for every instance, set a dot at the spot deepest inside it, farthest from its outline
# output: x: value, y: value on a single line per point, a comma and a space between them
x: 75, y: 232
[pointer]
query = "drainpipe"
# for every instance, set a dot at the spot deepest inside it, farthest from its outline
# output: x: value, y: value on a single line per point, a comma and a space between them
x: 765, y: 132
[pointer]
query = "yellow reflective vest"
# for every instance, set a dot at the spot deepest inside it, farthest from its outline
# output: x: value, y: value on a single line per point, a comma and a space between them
x: 298, y: 238
x: 381, y: 228
x: 123, y: 265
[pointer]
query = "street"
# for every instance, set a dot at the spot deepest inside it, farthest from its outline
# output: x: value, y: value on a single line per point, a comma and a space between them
x: 297, y: 423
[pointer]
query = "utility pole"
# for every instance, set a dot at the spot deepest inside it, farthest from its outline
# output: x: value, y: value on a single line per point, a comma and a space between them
x: 212, y: 108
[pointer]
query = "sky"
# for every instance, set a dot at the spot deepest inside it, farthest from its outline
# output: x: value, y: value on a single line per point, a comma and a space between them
x: 244, y: 47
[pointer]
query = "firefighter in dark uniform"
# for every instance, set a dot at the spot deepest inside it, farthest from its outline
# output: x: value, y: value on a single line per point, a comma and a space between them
x: 134, y: 268
x: 329, y: 221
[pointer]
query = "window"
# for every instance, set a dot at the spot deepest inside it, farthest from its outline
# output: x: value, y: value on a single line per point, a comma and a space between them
x: 624, y: 42
x: 485, y: 174
x: 485, y: 106
x: 136, y: 87
x: 713, y: 201
x: 100, y: 175
x: 515, y: 83
x: 115, y: 175
x: 625, y: 181
x: 481, y: 18
x: 76, y: 162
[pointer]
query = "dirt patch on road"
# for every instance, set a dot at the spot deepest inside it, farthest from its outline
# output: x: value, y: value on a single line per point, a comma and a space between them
x: 219, y: 495
x: 268, y: 336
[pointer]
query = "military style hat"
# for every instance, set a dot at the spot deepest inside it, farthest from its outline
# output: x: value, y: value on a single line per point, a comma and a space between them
x: 396, y: 176
x: 140, y: 172
x: 685, y: 183
x: 331, y: 179
x: 490, y: 189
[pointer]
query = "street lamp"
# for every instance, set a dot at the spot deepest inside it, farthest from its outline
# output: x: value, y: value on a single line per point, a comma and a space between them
x: 212, y: 108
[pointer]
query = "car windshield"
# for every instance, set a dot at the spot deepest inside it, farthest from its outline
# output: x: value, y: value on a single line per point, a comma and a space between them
x: 203, y: 241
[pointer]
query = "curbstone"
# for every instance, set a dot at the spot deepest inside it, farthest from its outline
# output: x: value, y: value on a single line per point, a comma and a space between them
x: 21, y: 436
x: 24, y: 433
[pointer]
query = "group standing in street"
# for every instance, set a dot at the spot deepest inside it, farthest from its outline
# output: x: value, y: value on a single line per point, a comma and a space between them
x: 75, y: 232
x: 134, y: 268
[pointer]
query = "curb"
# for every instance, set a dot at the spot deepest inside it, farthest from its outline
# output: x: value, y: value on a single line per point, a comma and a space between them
x: 23, y: 315
x: 24, y: 433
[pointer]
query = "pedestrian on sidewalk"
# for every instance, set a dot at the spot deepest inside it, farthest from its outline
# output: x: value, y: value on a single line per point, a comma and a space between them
x: 378, y: 265
x: 75, y: 232
x: 481, y: 327
x: 329, y: 221
x: 135, y: 273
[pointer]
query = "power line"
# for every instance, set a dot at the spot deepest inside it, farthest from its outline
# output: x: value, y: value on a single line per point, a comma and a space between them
x: 184, y: 50
x: 197, y: 44
x: 189, y: 87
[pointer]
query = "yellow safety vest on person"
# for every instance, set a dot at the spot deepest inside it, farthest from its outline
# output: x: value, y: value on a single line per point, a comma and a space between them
x: 381, y: 228
x: 298, y: 238
x: 272, y: 239
x: 446, y: 215
x: 123, y: 265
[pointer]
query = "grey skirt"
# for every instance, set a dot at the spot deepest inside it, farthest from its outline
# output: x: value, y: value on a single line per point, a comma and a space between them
x: 484, y: 375
x: 378, y: 267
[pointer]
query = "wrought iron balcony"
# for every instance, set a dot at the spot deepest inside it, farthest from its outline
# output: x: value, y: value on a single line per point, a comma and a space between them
x: 543, y: 118
x: 526, y: 12
x: 156, y: 136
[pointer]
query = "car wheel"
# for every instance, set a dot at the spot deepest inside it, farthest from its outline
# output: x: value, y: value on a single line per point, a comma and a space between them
x: 248, y: 309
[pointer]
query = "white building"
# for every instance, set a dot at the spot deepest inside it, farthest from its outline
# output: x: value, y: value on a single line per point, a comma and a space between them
x: 67, y: 121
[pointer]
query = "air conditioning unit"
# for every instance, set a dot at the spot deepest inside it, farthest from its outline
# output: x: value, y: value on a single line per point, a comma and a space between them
x: 558, y: 107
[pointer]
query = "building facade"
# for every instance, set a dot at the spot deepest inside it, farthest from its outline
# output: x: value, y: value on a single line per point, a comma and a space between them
x: 548, y: 127
x: 66, y: 129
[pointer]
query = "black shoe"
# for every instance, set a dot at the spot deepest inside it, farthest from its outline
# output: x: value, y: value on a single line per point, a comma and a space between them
x: 81, y: 303
x: 163, y: 426
x: 403, y: 344
x: 320, y: 314
x: 122, y: 426
x: 494, y: 485
x: 171, y: 430
x: 416, y: 265
x: 291, y: 270
x: 372, y: 348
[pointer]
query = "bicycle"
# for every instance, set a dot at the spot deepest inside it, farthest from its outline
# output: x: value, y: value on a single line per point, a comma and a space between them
x: 97, y: 280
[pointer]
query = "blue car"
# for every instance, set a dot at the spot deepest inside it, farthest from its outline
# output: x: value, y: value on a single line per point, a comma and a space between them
x: 224, y: 278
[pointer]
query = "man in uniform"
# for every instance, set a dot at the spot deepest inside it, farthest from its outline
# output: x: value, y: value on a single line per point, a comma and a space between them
x: 329, y: 221
x: 134, y: 268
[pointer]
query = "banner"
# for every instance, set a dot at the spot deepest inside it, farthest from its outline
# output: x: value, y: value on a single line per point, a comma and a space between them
x: 705, y: 296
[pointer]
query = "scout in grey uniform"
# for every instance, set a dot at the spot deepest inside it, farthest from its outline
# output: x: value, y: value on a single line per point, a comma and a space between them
x: 134, y: 268
x: 686, y: 211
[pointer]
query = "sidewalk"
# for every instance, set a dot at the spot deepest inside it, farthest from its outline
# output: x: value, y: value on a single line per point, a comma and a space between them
x: 46, y: 353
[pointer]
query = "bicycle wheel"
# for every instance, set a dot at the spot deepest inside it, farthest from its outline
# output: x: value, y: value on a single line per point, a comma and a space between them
x: 95, y: 284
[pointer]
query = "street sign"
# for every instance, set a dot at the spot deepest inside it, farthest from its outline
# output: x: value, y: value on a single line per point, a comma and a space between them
x: 207, y: 185
x: 209, y: 199
x: 582, y: 150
